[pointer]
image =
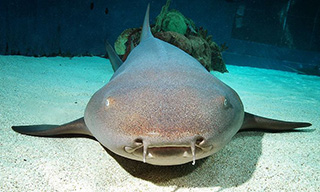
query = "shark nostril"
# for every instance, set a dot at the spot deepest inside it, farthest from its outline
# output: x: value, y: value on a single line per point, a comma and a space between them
x: 199, y: 141
x: 138, y: 142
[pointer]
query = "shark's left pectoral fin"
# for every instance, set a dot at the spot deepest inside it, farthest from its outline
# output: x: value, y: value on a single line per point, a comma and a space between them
x: 256, y: 122
x: 75, y: 127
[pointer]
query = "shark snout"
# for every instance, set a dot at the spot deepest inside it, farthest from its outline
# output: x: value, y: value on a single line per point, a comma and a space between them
x: 161, y: 153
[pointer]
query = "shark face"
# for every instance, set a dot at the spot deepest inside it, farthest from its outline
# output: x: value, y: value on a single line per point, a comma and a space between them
x: 163, y: 123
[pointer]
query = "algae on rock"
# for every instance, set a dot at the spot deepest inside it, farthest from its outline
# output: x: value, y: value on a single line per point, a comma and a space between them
x: 173, y: 27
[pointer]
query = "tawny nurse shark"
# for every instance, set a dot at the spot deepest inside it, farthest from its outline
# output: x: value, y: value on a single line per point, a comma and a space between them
x: 161, y: 107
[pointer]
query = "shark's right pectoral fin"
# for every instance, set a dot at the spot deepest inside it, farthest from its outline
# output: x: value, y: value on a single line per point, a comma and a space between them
x: 75, y: 127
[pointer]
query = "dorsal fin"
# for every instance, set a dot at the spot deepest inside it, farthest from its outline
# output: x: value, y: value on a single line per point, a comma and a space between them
x: 116, y: 62
x: 146, y: 31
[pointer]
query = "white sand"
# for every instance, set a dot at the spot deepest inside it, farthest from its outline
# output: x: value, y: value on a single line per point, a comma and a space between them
x: 56, y: 90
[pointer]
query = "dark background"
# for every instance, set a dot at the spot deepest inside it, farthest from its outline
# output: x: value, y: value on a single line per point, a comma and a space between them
x: 276, y: 34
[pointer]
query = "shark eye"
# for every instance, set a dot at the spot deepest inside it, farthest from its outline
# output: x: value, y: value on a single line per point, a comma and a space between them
x: 226, y: 103
x: 109, y: 101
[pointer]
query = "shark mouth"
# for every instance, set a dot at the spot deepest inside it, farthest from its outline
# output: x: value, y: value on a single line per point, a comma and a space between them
x: 146, y: 151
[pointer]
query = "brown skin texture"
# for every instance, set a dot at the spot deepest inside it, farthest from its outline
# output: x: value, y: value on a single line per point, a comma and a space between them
x: 165, y: 98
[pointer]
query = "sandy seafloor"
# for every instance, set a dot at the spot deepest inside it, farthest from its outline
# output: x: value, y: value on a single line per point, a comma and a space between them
x: 56, y: 90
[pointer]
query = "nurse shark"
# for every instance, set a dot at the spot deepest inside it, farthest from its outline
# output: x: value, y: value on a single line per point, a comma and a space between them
x: 161, y: 107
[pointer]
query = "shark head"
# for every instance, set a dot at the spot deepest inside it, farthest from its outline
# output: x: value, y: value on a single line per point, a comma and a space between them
x: 162, y: 107
x: 162, y: 125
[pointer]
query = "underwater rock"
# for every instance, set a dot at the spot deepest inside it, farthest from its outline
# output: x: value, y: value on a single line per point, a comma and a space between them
x: 120, y: 44
x: 175, y: 39
x: 171, y: 26
x: 201, y: 51
x: 172, y: 20
x: 216, y: 57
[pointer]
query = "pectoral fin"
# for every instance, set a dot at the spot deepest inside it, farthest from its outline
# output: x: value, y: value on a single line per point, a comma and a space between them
x: 75, y: 127
x: 256, y: 122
